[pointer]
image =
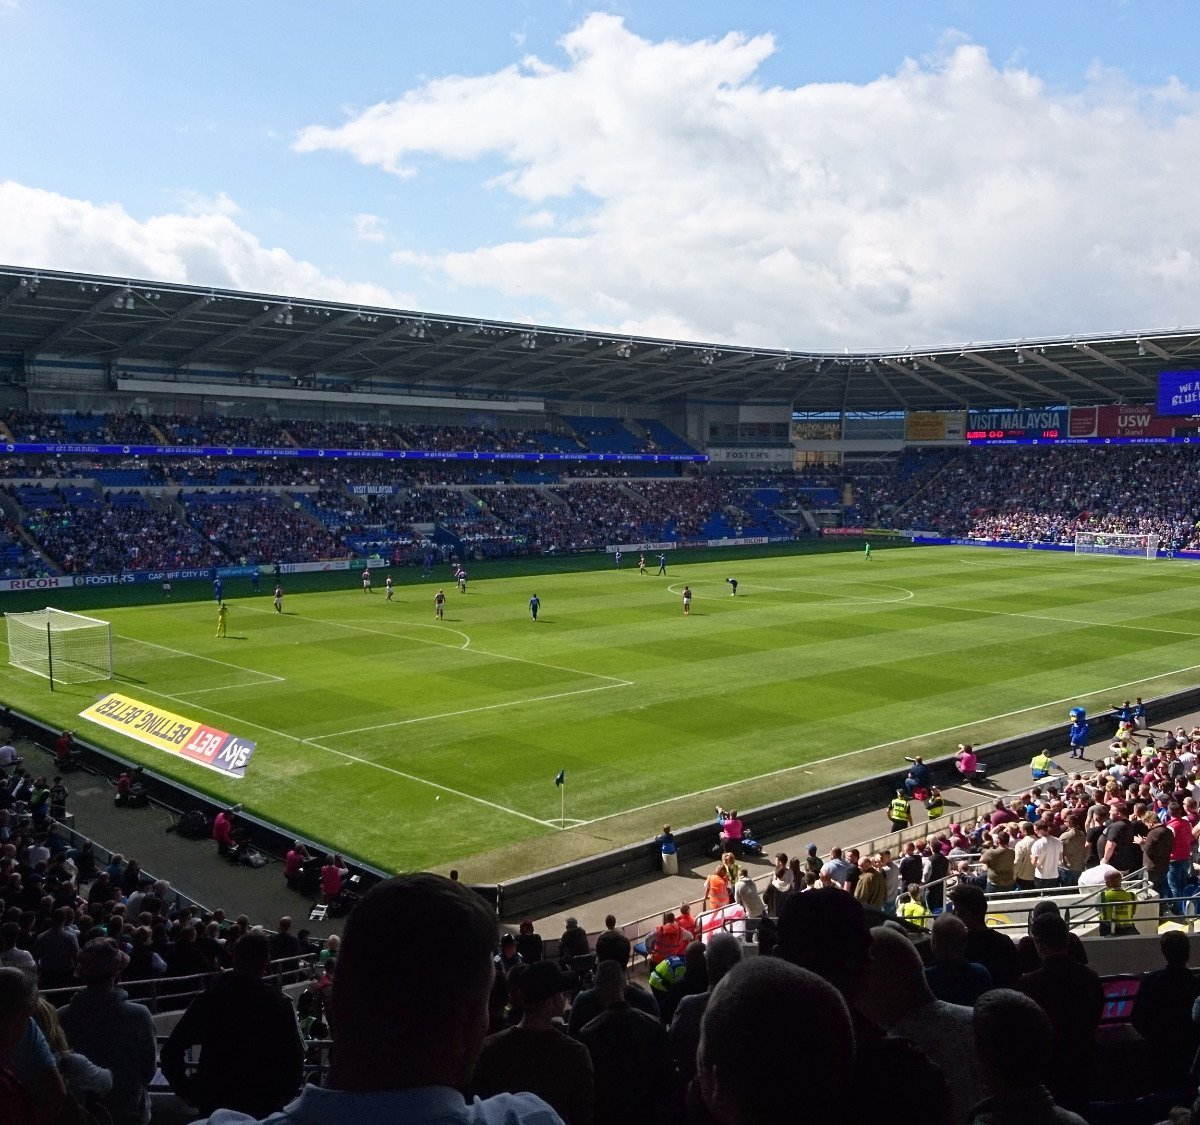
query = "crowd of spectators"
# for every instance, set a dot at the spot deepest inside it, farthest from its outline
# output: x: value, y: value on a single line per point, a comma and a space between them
x: 259, y: 528
x: 1041, y: 495
x: 212, y: 429
x: 569, y: 1030
x: 110, y: 538
x: 103, y: 429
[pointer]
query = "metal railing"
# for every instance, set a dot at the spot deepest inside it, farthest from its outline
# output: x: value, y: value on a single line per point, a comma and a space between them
x: 639, y: 929
x: 169, y: 994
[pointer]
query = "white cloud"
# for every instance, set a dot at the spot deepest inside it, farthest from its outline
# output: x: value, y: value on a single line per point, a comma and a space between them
x: 369, y: 228
x: 952, y: 200
x: 201, y: 246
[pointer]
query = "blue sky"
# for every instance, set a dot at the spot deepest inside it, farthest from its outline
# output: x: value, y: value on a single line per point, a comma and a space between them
x: 808, y: 175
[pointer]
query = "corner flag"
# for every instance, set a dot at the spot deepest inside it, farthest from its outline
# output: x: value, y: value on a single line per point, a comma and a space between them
x: 561, y: 779
x: 561, y: 782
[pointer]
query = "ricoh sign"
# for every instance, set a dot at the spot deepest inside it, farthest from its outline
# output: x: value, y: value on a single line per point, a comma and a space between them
x: 48, y: 582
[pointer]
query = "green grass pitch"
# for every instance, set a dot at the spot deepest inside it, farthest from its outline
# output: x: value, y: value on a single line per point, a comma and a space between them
x: 410, y: 742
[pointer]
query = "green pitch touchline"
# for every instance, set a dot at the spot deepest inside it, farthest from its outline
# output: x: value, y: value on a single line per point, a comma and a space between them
x: 894, y: 742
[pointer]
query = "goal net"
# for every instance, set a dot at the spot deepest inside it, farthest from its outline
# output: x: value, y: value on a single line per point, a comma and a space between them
x: 66, y: 647
x: 1116, y: 543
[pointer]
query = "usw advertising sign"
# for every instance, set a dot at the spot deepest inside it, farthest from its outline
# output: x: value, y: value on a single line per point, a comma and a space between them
x: 217, y: 749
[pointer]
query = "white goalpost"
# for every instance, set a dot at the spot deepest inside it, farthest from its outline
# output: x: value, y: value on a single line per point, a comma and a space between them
x: 1115, y: 543
x: 66, y: 647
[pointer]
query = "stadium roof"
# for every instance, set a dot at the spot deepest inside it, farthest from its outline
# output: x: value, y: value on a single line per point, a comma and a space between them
x: 122, y: 322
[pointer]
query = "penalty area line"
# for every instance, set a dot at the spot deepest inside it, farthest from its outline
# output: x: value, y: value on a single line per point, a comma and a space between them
x: 804, y: 766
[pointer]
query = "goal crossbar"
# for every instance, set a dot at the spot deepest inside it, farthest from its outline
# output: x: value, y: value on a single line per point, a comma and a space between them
x: 62, y: 646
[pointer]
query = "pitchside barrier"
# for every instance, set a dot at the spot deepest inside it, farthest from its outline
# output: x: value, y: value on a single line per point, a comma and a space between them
x: 583, y: 880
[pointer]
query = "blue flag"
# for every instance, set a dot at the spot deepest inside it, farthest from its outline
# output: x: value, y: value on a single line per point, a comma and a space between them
x: 562, y: 778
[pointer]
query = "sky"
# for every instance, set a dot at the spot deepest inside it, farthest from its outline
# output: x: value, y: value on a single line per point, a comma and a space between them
x: 816, y: 175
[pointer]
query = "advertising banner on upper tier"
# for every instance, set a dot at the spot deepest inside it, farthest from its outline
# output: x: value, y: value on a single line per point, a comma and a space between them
x: 188, y: 738
x: 767, y: 456
x: 935, y: 425
x: 1179, y: 392
x: 1123, y: 421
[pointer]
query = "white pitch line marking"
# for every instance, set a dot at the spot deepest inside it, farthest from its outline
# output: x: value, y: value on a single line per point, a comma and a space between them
x: 197, y: 656
x: 1061, y: 620
x: 1077, y: 697
x: 616, y: 680
x: 475, y: 710
x: 223, y: 687
x: 362, y: 761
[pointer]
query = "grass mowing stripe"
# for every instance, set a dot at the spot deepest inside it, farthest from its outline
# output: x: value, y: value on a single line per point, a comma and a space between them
x: 474, y: 710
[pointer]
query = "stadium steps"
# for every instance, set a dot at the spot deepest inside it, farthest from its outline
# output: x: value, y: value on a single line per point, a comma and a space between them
x: 159, y: 435
x: 638, y: 430
x: 931, y: 479
x: 810, y: 520
x: 6, y: 433
x: 22, y: 532
x: 636, y: 497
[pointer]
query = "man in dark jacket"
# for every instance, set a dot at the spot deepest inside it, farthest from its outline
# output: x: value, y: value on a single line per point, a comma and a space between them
x: 110, y: 1030
x: 631, y: 1055
x: 1073, y: 997
x: 251, y: 1054
x: 1162, y: 1013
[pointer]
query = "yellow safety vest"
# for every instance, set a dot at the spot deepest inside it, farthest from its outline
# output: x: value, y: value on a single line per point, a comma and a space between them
x: 898, y: 809
x: 1117, y: 906
x: 915, y: 913
x: 935, y: 806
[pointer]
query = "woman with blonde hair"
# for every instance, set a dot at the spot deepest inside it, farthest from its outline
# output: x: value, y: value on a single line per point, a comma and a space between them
x: 716, y: 889
x: 733, y: 869
x: 85, y: 1081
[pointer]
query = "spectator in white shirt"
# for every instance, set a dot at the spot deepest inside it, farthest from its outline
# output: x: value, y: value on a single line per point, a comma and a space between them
x: 1047, y: 853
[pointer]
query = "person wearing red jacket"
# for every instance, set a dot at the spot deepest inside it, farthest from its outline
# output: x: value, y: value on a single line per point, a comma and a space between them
x: 222, y: 832
x: 670, y: 939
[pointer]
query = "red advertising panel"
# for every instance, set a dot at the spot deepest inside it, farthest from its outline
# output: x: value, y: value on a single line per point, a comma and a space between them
x: 1123, y: 421
x: 1082, y: 422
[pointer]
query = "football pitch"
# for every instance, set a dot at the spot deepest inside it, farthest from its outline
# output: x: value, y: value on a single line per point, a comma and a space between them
x: 410, y: 742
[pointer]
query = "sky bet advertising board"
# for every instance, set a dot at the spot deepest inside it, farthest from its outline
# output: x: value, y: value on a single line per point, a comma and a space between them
x: 216, y: 749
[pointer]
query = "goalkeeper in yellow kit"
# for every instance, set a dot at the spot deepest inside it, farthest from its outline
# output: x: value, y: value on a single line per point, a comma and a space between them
x: 222, y: 619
